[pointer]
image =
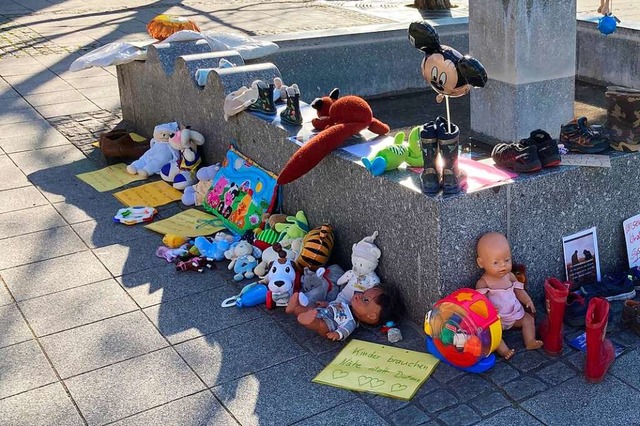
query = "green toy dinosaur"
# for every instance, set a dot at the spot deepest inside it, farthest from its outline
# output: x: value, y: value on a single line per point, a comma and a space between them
x: 393, y: 156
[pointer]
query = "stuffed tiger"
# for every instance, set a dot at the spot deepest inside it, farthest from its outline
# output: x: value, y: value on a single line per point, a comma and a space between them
x: 316, y: 248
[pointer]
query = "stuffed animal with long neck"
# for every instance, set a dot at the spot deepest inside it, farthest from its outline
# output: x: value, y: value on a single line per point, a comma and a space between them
x: 339, y: 119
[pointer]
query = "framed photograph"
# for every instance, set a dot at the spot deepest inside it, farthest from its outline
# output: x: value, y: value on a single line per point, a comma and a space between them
x: 581, y: 261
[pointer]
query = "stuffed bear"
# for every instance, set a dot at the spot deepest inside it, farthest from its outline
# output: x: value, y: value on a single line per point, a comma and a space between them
x: 196, y: 194
x: 181, y: 171
x: 244, y: 254
x: 159, y: 154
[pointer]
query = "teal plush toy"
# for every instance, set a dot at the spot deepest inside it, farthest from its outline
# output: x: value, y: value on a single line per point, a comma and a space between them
x: 391, y: 157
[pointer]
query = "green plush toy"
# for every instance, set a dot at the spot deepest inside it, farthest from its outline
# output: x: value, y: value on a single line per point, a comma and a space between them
x: 391, y: 157
x: 296, y: 227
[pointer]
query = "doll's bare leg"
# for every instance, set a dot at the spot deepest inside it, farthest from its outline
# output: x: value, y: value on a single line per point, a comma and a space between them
x: 309, y: 320
x: 504, y: 351
x: 604, y: 7
x: 294, y: 306
x: 528, y: 326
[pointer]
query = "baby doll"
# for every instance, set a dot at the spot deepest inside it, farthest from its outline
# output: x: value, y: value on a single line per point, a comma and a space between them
x: 506, y: 293
x: 362, y: 276
x: 337, y: 320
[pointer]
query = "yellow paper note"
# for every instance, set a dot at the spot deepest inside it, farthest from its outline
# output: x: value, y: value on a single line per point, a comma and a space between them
x: 152, y: 194
x: 109, y: 178
x: 189, y: 223
x: 374, y: 368
x: 96, y: 144
x: 137, y: 138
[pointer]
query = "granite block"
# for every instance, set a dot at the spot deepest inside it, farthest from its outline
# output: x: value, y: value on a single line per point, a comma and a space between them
x: 556, y: 373
x: 199, y: 409
x: 20, y: 116
x: 29, y: 220
x: 46, y: 158
x: 131, y: 386
x: 262, y: 343
x: 67, y: 108
x: 29, y: 248
x: 510, y: 416
x: 10, y: 175
x: 16, y: 104
x: 8, y: 93
x: 76, y: 306
x: 50, y: 276
x: 165, y: 54
x: 438, y: 400
x: 490, y: 403
x: 576, y: 359
x: 612, y: 402
x: 162, y: 283
x: 102, y: 343
x: 20, y: 198
x: 462, y: 415
x: 265, y: 397
x: 105, y: 80
x: 106, y: 232
x: 352, y: 413
x: 523, y: 388
x: 198, y: 314
x: 409, y: 416
x: 384, y: 405
x: 23, y: 367
x: 94, y: 206
x: 35, y: 87
x: 502, y: 373
x: 445, y: 373
x: 528, y: 360
x: 626, y: 367
x: 15, y: 132
x: 469, y: 386
x: 130, y: 256
x: 14, y: 328
x: 45, y: 406
x: 46, y: 137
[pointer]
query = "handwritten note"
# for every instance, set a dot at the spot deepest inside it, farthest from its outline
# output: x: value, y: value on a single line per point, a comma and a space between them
x: 590, y: 160
x: 109, y: 178
x: 152, y: 194
x: 384, y: 370
x: 631, y: 228
x: 189, y: 223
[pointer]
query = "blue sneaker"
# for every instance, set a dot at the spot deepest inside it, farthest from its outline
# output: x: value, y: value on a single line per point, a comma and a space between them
x: 616, y: 286
x: 634, y: 274
x: 575, y: 310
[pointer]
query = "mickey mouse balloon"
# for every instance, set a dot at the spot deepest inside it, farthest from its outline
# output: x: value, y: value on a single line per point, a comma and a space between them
x: 448, y: 71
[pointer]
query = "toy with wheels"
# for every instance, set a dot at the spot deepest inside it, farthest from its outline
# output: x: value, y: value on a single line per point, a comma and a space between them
x: 463, y: 330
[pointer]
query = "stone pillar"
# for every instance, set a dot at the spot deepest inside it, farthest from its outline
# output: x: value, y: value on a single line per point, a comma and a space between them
x: 528, y: 48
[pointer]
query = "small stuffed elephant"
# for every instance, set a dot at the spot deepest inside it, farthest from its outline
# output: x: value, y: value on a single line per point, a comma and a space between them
x: 159, y: 154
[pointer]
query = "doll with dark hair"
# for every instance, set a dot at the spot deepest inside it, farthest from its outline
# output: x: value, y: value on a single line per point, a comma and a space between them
x: 336, y: 320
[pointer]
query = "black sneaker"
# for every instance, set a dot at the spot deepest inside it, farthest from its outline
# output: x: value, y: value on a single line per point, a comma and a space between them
x: 547, y: 147
x: 517, y: 157
x: 577, y: 136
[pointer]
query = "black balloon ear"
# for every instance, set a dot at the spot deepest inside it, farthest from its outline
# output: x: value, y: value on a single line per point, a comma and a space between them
x: 317, y: 104
x: 335, y: 94
x: 424, y: 37
x: 472, y: 71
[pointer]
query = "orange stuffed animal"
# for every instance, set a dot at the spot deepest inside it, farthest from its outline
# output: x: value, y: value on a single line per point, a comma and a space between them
x: 339, y: 119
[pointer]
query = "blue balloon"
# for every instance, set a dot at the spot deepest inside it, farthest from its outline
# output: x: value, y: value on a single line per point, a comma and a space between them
x: 607, y: 24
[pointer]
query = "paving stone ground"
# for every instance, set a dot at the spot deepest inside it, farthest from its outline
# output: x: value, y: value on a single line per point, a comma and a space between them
x: 97, y: 330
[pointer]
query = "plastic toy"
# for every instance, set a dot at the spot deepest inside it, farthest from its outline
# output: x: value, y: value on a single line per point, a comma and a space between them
x: 391, y: 157
x: 170, y: 254
x: 196, y: 194
x: 174, y: 241
x: 361, y: 276
x: 504, y: 291
x: 271, y: 254
x: 555, y: 292
x: 243, y: 258
x: 214, y: 248
x: 282, y: 280
x: 296, y: 227
x: 447, y: 71
x: 159, y: 154
x: 181, y: 171
x: 319, y: 285
x: 608, y: 23
x: 134, y: 215
x: 316, y: 247
x: 463, y: 329
x: 347, y: 116
x: 253, y: 294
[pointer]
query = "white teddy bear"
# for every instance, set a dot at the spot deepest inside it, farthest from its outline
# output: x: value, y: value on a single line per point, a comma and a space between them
x: 181, y: 171
x: 362, y: 276
x: 159, y: 154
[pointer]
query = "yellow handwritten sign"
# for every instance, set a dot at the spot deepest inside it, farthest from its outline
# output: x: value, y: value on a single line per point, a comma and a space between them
x: 189, y: 223
x: 152, y: 194
x: 109, y: 178
x: 384, y: 370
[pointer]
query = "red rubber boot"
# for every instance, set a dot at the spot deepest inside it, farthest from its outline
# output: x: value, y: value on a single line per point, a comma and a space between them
x: 600, y: 352
x: 555, y: 293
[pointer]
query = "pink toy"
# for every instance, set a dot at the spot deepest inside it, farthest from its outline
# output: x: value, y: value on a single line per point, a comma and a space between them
x: 214, y: 195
